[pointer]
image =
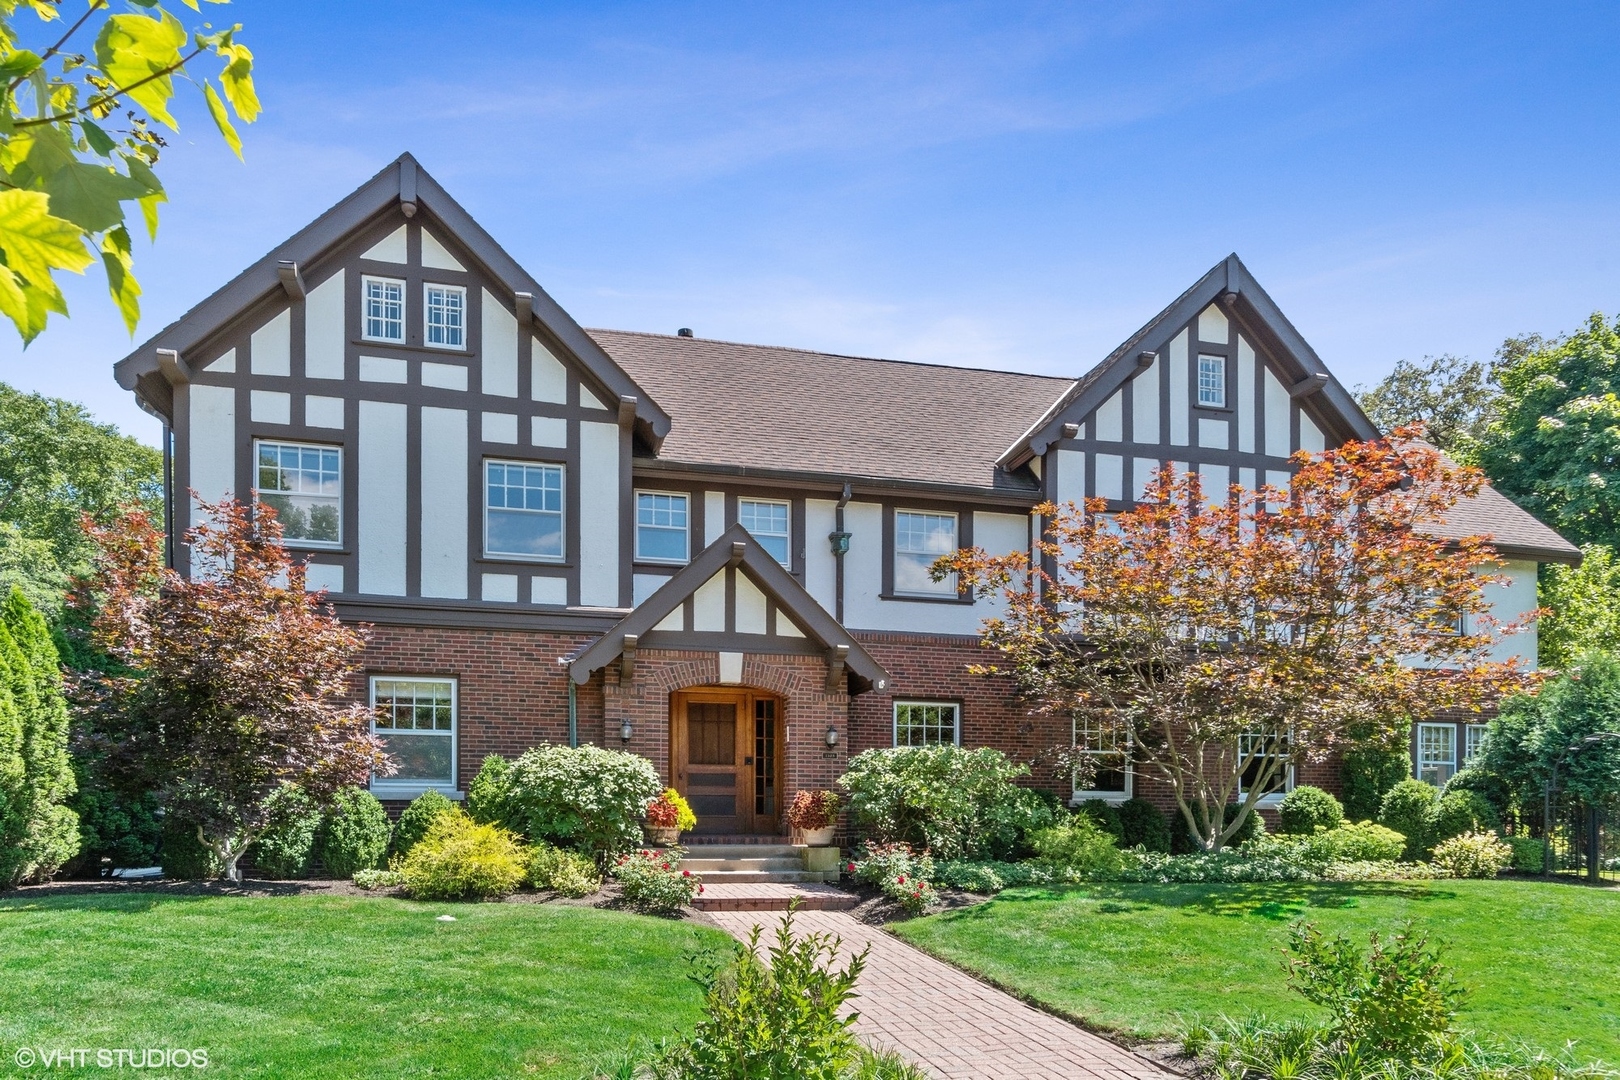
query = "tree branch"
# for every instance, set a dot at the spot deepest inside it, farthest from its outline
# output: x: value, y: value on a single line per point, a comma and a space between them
x: 112, y: 95
x: 63, y: 40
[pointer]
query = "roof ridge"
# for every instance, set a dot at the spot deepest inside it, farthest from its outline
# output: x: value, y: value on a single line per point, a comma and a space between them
x: 841, y: 356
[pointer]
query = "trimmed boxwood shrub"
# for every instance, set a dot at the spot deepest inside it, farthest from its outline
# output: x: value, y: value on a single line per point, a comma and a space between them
x: 1307, y: 809
x: 1106, y: 816
x: 1143, y: 825
x: 1077, y: 843
x: 417, y: 818
x: 355, y: 833
x: 183, y: 854
x: 565, y: 872
x: 1365, y: 777
x: 1410, y: 808
x: 486, y: 795
x: 1529, y: 854
x: 285, y: 849
x: 1462, y: 811
x: 581, y: 797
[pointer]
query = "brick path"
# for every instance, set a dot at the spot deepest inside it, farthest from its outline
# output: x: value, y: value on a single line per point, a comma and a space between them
x: 948, y: 1022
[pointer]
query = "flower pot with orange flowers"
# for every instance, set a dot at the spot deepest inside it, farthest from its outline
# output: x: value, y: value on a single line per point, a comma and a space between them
x: 668, y: 815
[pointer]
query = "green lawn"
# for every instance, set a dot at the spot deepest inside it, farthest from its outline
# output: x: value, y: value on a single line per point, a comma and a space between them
x: 1542, y: 960
x: 331, y: 986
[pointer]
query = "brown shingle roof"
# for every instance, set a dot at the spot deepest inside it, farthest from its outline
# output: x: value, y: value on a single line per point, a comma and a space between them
x: 765, y: 407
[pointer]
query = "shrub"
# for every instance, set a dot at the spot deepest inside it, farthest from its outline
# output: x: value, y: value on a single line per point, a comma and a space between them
x: 1410, y: 808
x: 355, y: 833
x: 669, y: 811
x: 565, y: 872
x: 1078, y: 843
x: 1307, y: 809
x: 877, y: 863
x: 1186, y: 842
x: 1529, y: 854
x: 1379, y: 871
x: 915, y: 895
x: 581, y: 797
x: 417, y: 818
x: 955, y: 802
x: 1106, y: 815
x: 486, y: 795
x: 285, y: 849
x: 1358, y: 842
x: 1226, y: 865
x: 460, y: 858
x: 1473, y: 855
x: 653, y: 882
x: 814, y: 809
x: 378, y: 879
x: 1143, y: 825
x: 1366, y: 775
x: 1460, y: 812
x: 184, y: 856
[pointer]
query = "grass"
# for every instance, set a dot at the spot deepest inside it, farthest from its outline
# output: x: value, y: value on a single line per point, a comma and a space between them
x: 342, y: 986
x: 1539, y: 959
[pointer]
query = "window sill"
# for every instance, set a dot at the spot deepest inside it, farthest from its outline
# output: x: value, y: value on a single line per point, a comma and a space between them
x: 1223, y: 410
x: 521, y: 560
x: 919, y: 598
x: 429, y: 350
x: 411, y: 791
x: 659, y: 564
x: 1113, y: 798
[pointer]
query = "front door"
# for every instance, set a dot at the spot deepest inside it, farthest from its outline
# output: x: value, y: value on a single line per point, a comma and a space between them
x: 724, y: 756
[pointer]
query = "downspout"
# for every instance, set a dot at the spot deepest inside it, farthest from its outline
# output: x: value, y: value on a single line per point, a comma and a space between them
x: 573, y: 714
x: 840, y: 546
x: 168, y: 496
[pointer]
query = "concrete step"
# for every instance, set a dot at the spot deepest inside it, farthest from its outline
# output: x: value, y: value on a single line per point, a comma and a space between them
x: 750, y: 877
x: 707, y: 865
x: 744, y: 851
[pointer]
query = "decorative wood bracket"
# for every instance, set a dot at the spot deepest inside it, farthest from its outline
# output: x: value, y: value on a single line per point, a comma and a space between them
x: 1144, y: 360
x: 627, y: 660
x: 1309, y: 385
x: 1227, y: 299
x: 627, y: 410
x: 291, y: 280
x: 525, y: 309
x: 174, y: 369
x: 836, y: 657
x: 407, y: 187
x: 737, y: 550
x: 1071, y: 431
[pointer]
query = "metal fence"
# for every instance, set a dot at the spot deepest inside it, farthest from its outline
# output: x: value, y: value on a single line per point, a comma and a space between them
x: 1586, y: 840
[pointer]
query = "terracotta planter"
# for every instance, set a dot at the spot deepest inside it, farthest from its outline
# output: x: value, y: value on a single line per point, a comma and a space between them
x: 822, y: 837
x: 662, y: 837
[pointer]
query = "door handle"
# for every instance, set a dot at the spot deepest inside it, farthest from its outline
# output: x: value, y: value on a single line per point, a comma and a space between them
x: 748, y: 761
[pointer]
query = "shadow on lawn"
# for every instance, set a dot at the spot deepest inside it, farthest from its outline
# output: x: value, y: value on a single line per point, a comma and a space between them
x: 143, y: 895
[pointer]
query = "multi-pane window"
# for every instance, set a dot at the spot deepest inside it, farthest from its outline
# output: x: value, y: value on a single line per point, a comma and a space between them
x: 927, y: 723
x: 661, y: 524
x: 1264, y: 758
x: 1473, y: 742
x: 920, y: 539
x: 767, y: 522
x: 446, y: 318
x: 416, y: 721
x: 523, y: 509
x: 1436, y: 752
x: 1106, y: 746
x: 304, y: 484
x: 1212, y: 382
x: 383, y: 305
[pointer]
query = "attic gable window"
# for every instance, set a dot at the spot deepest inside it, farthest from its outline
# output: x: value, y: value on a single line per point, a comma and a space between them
x: 445, y: 317
x: 383, y: 304
x: 1212, y: 382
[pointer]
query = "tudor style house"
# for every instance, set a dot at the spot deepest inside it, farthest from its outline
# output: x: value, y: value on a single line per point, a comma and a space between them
x: 712, y: 554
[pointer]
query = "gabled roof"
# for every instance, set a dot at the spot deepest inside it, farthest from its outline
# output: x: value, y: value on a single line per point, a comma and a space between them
x: 767, y: 409
x: 1241, y: 296
x: 736, y: 548
x: 402, y: 185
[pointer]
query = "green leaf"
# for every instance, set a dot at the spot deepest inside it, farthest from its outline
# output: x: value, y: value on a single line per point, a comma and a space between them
x: 141, y: 171
x: 126, y: 291
x: 99, y: 140
x: 216, y: 109
x: 28, y: 306
x: 237, y: 82
x: 91, y: 196
x: 20, y: 63
x: 35, y: 242
x: 133, y: 48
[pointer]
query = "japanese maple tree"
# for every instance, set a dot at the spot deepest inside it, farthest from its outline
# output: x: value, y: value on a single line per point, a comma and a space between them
x: 1226, y: 637
x: 237, y: 676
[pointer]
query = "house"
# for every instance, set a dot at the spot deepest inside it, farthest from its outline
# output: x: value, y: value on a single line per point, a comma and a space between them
x: 709, y: 553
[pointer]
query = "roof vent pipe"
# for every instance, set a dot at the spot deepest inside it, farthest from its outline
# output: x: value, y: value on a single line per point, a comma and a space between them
x: 685, y: 331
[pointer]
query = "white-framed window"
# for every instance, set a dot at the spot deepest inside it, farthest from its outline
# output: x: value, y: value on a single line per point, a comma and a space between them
x: 927, y: 723
x: 767, y: 522
x: 1473, y: 742
x: 1212, y: 382
x: 1265, y: 754
x: 444, y: 318
x: 382, y: 309
x: 523, y: 509
x: 920, y: 538
x: 304, y: 483
x: 415, y: 717
x: 1108, y: 747
x: 1436, y: 753
x: 662, y: 522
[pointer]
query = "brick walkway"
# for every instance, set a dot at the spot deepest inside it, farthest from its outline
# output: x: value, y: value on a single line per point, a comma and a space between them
x: 948, y: 1022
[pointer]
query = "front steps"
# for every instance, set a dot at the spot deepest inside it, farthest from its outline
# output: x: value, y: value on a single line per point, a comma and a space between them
x: 754, y: 876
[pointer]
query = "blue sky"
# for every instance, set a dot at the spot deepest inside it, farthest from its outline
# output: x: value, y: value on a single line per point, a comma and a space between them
x: 1012, y: 186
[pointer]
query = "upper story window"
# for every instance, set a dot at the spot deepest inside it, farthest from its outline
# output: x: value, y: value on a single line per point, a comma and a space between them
x: 305, y: 485
x: 383, y: 307
x: 927, y: 723
x: 919, y: 539
x: 661, y: 527
x: 445, y: 318
x: 1212, y: 382
x: 523, y: 510
x: 416, y: 721
x: 767, y: 522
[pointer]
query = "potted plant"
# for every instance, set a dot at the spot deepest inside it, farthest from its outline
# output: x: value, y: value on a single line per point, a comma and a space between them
x: 668, y: 815
x: 813, y: 815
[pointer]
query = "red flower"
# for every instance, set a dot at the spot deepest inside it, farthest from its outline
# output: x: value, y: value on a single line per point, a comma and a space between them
x: 851, y: 868
x: 700, y: 888
x: 686, y: 873
x: 666, y: 866
x: 901, y: 879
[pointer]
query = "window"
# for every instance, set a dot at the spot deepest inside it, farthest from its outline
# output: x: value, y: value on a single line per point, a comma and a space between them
x: 1473, y: 742
x: 1264, y: 757
x: 446, y: 316
x: 383, y: 301
x: 416, y: 721
x: 767, y: 522
x: 1212, y: 382
x: 927, y: 723
x: 304, y: 484
x: 919, y: 539
x: 660, y: 527
x: 1436, y: 752
x: 523, y: 510
x: 1107, y: 745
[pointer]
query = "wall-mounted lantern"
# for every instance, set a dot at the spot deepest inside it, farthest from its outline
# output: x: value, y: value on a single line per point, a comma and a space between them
x: 625, y: 731
x: 839, y: 541
x: 832, y: 736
